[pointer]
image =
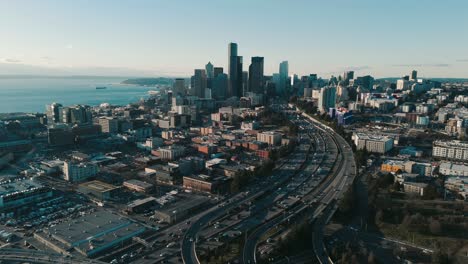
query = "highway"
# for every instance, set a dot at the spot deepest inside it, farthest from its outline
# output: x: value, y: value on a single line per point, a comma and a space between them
x: 304, y: 186
x: 322, y: 198
x: 33, y: 256
x: 264, y: 194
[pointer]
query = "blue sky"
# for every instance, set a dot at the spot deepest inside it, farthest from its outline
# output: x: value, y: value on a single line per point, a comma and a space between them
x: 117, y: 37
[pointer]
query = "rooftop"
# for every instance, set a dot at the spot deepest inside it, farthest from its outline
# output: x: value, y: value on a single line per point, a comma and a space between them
x: 99, y: 186
x: 451, y: 144
x: 94, y: 231
x: 9, y: 186
x: 139, y: 183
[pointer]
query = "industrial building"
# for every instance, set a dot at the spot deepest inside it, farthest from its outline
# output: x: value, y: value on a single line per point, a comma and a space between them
x: 90, y: 234
x: 141, y: 205
x: 139, y: 186
x: 99, y: 190
x: 21, y: 192
x: 179, y: 210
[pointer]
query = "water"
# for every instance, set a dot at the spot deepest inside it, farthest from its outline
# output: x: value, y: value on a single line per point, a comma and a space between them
x: 32, y: 94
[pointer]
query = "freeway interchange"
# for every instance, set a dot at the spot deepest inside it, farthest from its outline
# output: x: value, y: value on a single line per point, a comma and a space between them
x: 307, y: 185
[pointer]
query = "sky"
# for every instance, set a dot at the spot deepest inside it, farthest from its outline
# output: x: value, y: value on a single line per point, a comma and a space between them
x: 383, y: 38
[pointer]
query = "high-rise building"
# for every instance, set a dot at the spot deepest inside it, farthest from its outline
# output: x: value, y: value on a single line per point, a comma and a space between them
x: 53, y: 113
x: 235, y: 71
x: 109, y: 125
x: 220, y: 86
x: 80, y: 114
x: 209, y: 70
x: 179, y: 87
x: 283, y: 77
x: 245, y: 83
x: 217, y: 70
x: 414, y: 75
x: 198, y: 82
x: 327, y: 98
x: 77, y: 114
x: 365, y: 81
x: 348, y: 75
x: 256, y: 75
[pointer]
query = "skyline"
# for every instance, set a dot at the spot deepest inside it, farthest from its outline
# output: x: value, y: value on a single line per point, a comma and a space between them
x: 380, y: 39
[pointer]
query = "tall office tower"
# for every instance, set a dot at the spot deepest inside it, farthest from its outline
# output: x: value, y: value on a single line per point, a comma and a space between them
x: 235, y: 71
x: 178, y: 88
x: 217, y: 70
x: 198, y: 82
x: 220, y: 86
x: 256, y: 77
x: 366, y: 81
x: 283, y: 77
x: 414, y: 75
x: 327, y: 98
x: 348, y: 75
x: 209, y: 70
x: 80, y: 114
x: 245, y: 83
x: 53, y: 113
x: 209, y: 75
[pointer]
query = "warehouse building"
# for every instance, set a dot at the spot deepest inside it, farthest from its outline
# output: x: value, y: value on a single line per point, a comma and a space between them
x: 91, y: 234
x: 99, y: 190
x: 21, y: 192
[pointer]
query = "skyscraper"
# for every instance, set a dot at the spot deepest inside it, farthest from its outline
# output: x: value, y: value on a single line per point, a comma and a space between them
x: 283, y: 77
x: 198, y: 82
x: 179, y: 87
x: 53, y: 113
x: 348, y: 75
x: 220, y: 86
x: 245, y: 83
x: 235, y: 71
x: 217, y: 70
x: 209, y: 70
x: 256, y: 75
x: 327, y: 98
x: 414, y: 75
x: 209, y: 75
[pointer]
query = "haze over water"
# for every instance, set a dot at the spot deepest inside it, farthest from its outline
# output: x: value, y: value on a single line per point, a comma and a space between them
x: 32, y: 94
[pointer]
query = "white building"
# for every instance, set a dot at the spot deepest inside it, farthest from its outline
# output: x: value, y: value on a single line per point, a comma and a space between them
x: 373, y: 143
x: 402, y: 84
x: 171, y: 152
x: 422, y: 120
x: 453, y: 169
x: 272, y: 138
x: 454, y: 149
x: 109, y: 125
x: 76, y: 172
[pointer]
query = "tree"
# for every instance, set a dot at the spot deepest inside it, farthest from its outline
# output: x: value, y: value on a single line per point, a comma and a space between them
x: 379, y: 216
x: 440, y: 257
x: 430, y: 193
x: 435, y: 227
x: 371, y: 258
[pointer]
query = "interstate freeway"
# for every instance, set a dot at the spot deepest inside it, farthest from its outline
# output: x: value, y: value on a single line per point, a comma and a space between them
x: 323, y: 197
x: 305, y: 185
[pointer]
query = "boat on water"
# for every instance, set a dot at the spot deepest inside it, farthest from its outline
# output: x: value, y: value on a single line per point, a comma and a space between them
x: 100, y: 87
x: 153, y: 92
